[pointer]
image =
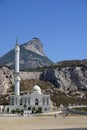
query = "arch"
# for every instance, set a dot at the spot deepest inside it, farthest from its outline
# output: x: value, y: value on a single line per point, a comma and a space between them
x: 36, y: 101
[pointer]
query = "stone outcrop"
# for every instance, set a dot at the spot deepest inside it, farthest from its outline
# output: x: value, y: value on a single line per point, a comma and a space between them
x: 6, y: 79
x: 31, y: 56
x: 67, y: 78
x: 35, y: 45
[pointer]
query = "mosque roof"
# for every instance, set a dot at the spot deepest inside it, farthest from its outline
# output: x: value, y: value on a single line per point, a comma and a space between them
x: 36, y: 89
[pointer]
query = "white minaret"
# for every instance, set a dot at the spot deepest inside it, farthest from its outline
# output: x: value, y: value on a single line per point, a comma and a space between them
x: 17, y: 76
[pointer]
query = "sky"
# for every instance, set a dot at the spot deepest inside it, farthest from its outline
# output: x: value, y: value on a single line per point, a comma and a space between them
x: 61, y: 26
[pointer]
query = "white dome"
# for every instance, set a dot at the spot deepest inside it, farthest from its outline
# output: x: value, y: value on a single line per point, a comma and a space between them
x: 36, y: 89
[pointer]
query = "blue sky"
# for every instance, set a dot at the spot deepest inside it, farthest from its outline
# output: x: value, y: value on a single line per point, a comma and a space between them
x: 61, y: 26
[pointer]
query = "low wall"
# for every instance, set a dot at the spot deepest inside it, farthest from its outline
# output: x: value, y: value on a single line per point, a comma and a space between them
x: 72, y: 111
x: 77, y: 112
x: 30, y: 75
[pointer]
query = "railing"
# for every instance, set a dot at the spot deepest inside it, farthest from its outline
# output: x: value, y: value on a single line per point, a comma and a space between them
x: 70, y: 110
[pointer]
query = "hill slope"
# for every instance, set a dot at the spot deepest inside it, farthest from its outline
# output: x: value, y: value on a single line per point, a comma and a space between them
x: 67, y: 75
x: 31, y: 56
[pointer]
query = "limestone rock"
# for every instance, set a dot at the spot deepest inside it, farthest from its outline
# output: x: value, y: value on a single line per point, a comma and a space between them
x: 67, y: 78
x: 6, y: 79
x: 31, y: 56
x: 35, y: 45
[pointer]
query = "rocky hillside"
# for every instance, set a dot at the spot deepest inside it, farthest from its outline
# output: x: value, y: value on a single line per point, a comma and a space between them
x: 31, y: 56
x: 6, y: 79
x: 65, y: 76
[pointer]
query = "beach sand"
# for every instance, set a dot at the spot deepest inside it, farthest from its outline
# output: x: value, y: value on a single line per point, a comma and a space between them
x: 75, y: 122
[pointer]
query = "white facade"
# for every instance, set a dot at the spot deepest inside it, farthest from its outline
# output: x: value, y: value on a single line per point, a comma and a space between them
x: 35, y: 101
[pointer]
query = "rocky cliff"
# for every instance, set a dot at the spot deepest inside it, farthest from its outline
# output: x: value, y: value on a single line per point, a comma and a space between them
x: 35, y: 45
x: 6, y: 79
x: 31, y: 56
x: 65, y: 76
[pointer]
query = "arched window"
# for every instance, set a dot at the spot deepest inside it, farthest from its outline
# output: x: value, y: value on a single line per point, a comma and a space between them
x: 16, y: 101
x: 12, y: 101
x: 43, y: 101
x: 36, y: 102
x: 20, y: 101
x: 25, y: 100
x: 47, y: 101
x: 29, y: 101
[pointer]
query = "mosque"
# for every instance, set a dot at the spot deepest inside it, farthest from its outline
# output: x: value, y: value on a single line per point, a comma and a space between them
x: 32, y: 102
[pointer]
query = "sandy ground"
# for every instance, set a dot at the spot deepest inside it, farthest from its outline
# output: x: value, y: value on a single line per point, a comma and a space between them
x: 75, y: 122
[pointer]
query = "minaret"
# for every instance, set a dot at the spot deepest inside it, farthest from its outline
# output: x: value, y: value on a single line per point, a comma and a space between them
x: 17, y: 76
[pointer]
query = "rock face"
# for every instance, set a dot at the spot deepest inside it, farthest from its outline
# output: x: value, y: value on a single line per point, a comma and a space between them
x: 6, y: 79
x: 35, y: 45
x: 31, y: 56
x: 67, y: 78
x: 64, y: 77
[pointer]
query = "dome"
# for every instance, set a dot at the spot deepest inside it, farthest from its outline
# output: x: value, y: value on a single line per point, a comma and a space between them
x: 36, y: 89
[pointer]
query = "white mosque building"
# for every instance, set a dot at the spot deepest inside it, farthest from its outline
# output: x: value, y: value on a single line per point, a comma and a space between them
x: 32, y: 102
